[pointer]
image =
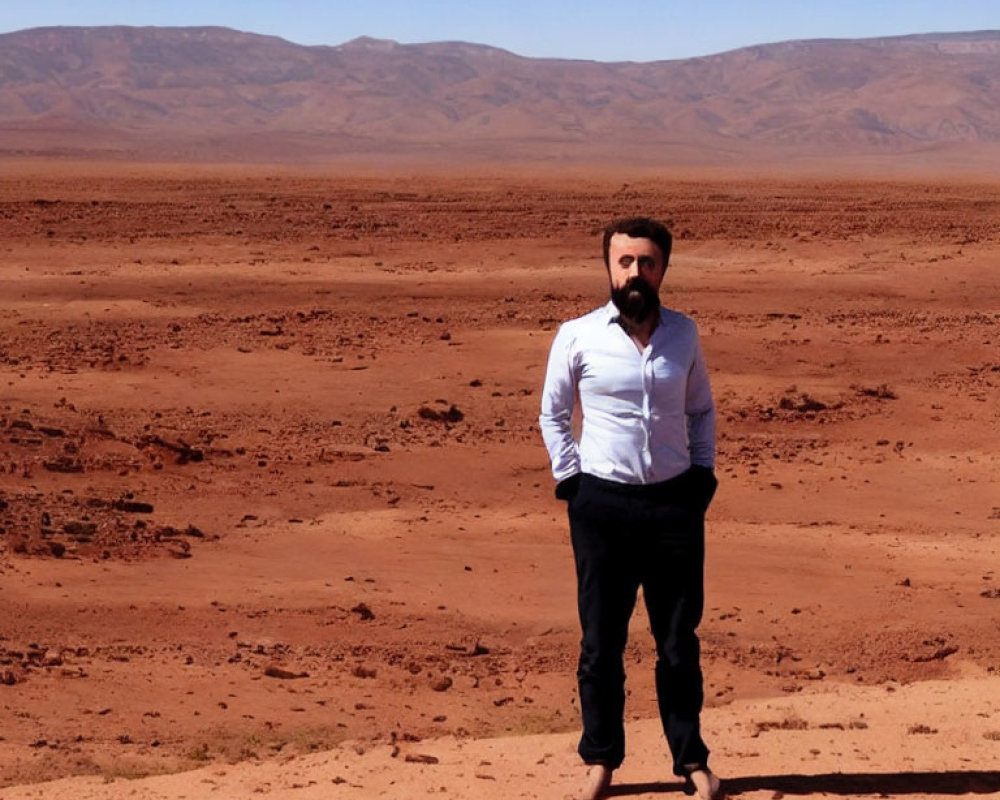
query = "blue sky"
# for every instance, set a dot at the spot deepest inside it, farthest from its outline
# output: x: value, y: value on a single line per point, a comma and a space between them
x: 636, y: 30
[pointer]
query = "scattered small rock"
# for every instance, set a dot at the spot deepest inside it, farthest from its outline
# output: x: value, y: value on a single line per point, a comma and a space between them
x: 133, y: 507
x: 9, y: 677
x: 938, y: 655
x: 453, y: 414
x: 921, y: 728
x: 421, y: 758
x: 277, y: 671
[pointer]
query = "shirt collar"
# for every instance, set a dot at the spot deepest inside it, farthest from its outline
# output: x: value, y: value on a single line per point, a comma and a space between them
x: 612, y: 314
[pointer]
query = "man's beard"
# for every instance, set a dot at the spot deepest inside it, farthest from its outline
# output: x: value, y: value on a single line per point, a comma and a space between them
x: 636, y: 300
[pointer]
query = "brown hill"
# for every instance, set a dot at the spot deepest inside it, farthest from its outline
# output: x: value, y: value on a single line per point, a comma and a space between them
x: 215, y: 93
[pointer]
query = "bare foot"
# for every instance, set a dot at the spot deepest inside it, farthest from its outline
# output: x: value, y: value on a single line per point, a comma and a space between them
x: 706, y: 784
x: 598, y: 782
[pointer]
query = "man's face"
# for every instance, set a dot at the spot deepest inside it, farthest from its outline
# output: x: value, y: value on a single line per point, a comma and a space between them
x: 635, y: 269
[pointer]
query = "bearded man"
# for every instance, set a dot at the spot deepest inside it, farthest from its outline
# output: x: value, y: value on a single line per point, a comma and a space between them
x: 637, y: 483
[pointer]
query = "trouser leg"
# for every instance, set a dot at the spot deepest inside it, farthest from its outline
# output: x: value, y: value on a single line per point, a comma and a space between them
x: 607, y: 583
x: 673, y: 589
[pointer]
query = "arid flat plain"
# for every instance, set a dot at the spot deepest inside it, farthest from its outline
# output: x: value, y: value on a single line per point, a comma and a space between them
x: 272, y: 489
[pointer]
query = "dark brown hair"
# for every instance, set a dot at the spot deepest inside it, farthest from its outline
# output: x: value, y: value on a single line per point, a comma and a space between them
x: 640, y: 228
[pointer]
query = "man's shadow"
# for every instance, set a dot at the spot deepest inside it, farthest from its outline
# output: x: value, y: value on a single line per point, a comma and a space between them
x: 845, y: 783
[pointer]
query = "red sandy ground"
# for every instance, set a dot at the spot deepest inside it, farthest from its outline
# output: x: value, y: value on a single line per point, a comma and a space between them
x: 276, y: 515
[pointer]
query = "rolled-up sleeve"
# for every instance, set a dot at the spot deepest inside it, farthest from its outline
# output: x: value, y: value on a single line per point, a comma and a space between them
x: 558, y: 400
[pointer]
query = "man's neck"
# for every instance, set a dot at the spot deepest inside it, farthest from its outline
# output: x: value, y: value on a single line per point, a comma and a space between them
x: 639, y: 332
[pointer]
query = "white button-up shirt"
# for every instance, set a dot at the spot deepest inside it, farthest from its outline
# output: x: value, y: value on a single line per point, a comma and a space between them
x: 647, y: 416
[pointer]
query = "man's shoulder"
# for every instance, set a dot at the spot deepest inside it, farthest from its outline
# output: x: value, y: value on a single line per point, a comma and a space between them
x: 596, y: 317
x: 669, y: 316
x: 676, y: 327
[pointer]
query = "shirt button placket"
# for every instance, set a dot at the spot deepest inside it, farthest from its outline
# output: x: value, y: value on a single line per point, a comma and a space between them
x: 647, y: 411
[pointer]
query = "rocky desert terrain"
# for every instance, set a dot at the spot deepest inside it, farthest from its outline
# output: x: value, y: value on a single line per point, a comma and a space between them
x: 275, y: 515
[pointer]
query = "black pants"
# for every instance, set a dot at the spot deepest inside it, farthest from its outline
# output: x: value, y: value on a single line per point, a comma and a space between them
x: 625, y: 537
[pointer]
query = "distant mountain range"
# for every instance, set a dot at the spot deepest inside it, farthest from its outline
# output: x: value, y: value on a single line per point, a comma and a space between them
x: 219, y: 94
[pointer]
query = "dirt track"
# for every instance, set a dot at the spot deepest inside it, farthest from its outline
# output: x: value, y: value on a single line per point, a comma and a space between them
x: 270, y: 477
